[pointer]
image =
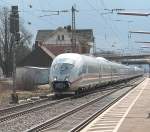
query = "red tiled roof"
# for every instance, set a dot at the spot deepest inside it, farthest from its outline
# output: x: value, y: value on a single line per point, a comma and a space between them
x: 46, y: 50
x: 56, y: 49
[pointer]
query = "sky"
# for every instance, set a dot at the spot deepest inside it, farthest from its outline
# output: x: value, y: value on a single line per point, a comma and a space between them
x: 111, y: 30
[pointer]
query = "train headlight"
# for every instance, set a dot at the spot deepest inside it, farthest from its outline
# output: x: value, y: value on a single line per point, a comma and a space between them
x: 55, y: 78
x: 67, y: 79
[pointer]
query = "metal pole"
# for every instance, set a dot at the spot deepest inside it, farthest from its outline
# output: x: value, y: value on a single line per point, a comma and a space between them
x: 73, y: 29
x: 14, y: 65
x: 14, y: 29
x: 14, y: 94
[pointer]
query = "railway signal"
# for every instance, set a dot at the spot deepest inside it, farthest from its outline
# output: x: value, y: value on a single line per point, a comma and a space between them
x: 14, y: 29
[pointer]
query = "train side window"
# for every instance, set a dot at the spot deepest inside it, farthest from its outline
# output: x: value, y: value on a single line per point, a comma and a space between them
x: 104, y: 69
x: 93, y: 69
x: 84, y: 69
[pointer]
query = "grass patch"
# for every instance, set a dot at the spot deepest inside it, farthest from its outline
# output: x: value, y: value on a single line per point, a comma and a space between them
x: 41, y: 90
x: 6, y: 91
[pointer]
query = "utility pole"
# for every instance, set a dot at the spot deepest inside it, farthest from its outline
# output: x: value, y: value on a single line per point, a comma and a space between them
x: 6, y: 34
x: 94, y: 46
x: 73, y: 29
x: 14, y: 29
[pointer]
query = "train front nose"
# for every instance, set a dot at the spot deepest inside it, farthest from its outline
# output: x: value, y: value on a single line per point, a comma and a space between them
x: 60, y: 85
x: 60, y: 76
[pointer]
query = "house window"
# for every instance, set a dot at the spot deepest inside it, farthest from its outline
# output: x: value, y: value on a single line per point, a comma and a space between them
x: 58, y: 37
x: 62, y: 37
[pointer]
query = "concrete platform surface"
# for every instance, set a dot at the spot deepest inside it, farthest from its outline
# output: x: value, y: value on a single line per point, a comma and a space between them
x: 130, y: 114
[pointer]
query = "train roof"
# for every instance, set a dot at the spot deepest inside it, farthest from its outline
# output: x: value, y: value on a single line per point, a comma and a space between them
x: 68, y: 55
x: 101, y: 58
x: 67, y: 58
x: 72, y: 57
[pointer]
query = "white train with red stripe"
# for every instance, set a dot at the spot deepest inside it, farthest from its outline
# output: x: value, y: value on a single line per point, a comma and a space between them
x: 71, y: 73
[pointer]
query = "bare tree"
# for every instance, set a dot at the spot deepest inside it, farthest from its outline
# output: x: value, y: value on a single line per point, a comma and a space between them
x: 6, y: 42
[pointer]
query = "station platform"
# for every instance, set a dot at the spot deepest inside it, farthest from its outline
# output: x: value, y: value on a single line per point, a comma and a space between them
x: 130, y: 114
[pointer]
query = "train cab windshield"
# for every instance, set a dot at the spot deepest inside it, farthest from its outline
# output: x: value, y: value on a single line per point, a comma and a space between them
x: 63, y: 68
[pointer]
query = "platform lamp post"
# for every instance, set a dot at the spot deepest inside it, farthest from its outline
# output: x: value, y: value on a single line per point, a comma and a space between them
x: 14, y: 30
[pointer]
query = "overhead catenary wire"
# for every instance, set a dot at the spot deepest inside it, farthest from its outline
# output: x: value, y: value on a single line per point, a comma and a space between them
x: 103, y: 18
x: 112, y: 26
x: 95, y: 9
x: 116, y: 27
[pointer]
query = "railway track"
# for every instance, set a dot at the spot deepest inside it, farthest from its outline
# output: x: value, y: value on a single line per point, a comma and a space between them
x: 28, y: 109
x: 19, y: 107
x: 57, y: 119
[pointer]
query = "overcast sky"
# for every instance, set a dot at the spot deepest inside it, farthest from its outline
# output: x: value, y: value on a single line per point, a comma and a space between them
x: 109, y: 33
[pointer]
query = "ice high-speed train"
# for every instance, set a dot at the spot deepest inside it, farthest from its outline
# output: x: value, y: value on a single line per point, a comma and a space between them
x: 71, y: 73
